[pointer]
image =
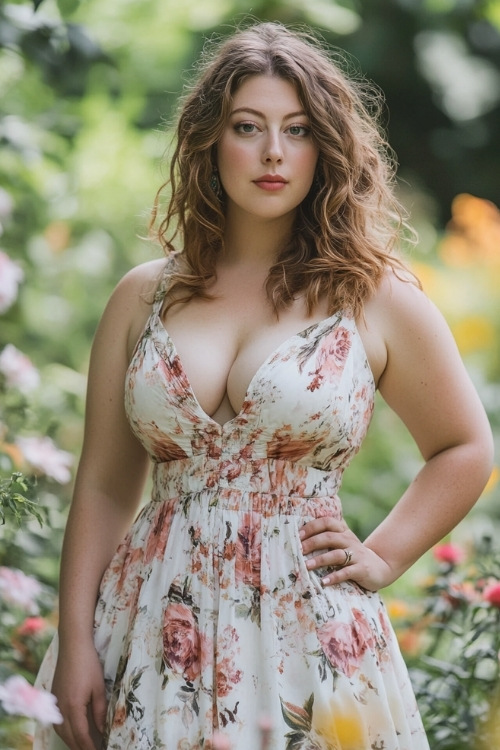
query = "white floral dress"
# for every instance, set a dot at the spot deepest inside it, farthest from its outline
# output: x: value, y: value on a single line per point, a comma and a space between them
x: 207, y: 616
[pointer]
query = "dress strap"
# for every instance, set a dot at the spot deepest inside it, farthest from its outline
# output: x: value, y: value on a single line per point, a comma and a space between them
x: 164, y: 283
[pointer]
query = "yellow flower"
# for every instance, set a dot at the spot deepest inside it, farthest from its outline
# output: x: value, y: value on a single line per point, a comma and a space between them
x: 340, y: 727
x: 475, y: 333
x: 397, y: 608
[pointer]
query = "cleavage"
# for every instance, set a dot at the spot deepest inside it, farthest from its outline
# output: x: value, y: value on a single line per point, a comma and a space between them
x: 223, y: 343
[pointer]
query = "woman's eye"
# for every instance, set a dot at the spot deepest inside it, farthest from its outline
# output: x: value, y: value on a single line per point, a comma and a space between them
x: 301, y: 130
x: 245, y: 127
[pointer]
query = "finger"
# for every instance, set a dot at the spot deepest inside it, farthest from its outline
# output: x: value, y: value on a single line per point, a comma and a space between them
x: 64, y: 732
x: 337, y: 558
x: 99, y: 709
x: 327, y: 540
x: 318, y: 525
x: 81, y: 730
x: 341, y: 575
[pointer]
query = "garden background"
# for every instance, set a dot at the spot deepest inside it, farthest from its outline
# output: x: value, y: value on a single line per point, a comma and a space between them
x: 87, y: 92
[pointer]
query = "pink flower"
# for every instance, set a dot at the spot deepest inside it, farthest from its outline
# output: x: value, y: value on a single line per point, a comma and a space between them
x: 19, y: 589
x: 491, y: 594
x: 44, y: 458
x: 18, y: 369
x: 449, y: 553
x: 11, y: 276
x: 31, y: 626
x: 227, y: 676
x: 18, y: 697
x: 248, y: 550
x: 344, y: 644
x: 181, y: 641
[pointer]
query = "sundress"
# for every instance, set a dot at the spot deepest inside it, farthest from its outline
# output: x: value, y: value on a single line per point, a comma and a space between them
x: 208, y: 618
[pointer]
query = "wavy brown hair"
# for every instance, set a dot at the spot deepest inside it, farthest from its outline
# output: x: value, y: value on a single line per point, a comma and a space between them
x: 347, y: 227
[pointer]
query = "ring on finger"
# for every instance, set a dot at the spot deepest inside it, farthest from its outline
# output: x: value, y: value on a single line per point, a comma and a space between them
x: 348, y: 558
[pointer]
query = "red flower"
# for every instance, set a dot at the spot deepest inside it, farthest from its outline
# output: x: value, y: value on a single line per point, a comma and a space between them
x: 181, y: 641
x: 31, y: 626
x: 449, y: 553
x: 492, y: 594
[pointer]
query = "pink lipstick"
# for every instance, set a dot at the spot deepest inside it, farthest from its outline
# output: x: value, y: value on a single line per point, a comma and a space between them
x: 271, y: 182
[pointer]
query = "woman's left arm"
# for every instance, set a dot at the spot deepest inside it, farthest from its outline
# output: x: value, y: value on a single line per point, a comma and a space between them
x: 426, y: 384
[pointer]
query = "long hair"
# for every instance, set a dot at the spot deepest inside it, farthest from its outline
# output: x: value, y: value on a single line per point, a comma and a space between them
x: 346, y: 229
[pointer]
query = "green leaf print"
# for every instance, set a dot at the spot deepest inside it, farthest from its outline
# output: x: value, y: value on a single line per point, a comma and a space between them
x: 296, y: 717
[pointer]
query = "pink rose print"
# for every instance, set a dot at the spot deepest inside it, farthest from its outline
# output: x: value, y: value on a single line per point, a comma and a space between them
x: 227, y: 674
x: 344, y: 644
x: 227, y: 677
x: 181, y: 641
x: 330, y: 358
x: 157, y: 538
x: 248, y: 550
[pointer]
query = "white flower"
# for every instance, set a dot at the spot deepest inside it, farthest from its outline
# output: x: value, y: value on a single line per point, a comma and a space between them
x: 19, y: 589
x: 11, y: 276
x: 44, y: 457
x: 18, y: 697
x: 18, y: 369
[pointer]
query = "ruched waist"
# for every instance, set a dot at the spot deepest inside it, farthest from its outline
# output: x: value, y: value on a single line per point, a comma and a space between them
x: 267, y: 486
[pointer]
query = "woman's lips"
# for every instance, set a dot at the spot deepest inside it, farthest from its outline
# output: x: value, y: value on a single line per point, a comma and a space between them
x: 271, y: 183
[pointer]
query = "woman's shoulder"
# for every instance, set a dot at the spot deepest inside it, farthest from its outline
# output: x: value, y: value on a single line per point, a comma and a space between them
x: 130, y: 304
x: 143, y: 279
x: 398, y: 302
x: 400, y: 323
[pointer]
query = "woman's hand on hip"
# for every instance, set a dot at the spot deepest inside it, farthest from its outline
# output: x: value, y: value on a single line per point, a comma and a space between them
x: 337, y: 547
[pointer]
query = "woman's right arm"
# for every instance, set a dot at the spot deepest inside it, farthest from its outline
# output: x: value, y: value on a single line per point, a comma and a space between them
x: 108, y: 489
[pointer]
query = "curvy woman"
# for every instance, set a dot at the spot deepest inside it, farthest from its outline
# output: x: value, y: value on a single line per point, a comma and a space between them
x: 243, y: 368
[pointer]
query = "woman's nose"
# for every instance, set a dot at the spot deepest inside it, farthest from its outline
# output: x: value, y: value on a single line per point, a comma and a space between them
x: 273, y: 151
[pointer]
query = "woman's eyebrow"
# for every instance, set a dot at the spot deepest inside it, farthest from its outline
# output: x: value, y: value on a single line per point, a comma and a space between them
x: 256, y: 112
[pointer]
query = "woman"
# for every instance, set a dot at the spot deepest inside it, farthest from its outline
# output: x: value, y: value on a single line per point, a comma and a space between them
x: 239, y: 589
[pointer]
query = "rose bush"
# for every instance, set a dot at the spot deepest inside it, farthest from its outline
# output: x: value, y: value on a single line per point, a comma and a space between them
x: 450, y: 636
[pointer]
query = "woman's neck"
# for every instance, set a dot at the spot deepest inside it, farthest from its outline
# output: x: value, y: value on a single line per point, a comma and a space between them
x: 250, y: 241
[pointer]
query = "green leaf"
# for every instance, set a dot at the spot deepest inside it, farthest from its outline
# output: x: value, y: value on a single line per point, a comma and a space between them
x: 67, y: 7
x: 296, y: 717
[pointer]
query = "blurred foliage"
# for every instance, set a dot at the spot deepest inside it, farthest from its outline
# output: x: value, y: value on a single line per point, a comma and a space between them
x: 450, y: 636
x: 87, y: 94
x: 15, y: 500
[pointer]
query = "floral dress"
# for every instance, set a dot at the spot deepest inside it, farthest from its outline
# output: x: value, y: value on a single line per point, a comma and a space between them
x: 207, y: 617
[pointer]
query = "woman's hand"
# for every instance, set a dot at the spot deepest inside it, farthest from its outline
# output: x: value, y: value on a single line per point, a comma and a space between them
x: 340, y: 548
x: 79, y: 688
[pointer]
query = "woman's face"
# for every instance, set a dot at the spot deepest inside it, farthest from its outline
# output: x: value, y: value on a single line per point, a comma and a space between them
x: 266, y: 156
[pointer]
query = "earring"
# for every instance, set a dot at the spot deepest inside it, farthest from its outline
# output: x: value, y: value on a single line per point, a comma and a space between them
x: 215, y: 185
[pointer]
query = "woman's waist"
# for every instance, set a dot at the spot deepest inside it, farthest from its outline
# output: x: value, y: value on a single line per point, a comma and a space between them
x: 266, y: 475
x: 231, y: 483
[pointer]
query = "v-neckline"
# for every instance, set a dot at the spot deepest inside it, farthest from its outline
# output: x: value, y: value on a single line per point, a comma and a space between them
x: 287, y: 342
